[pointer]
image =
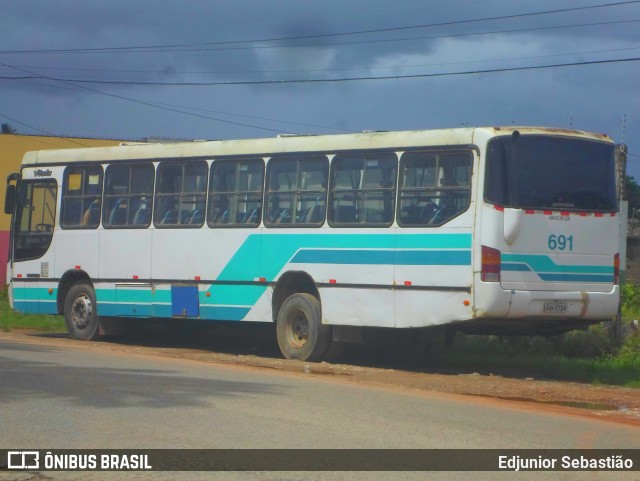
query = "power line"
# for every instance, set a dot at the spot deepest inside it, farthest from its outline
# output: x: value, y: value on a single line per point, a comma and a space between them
x: 373, y: 41
x: 255, y: 117
x: 388, y: 40
x: 210, y: 72
x: 160, y: 105
x: 310, y: 81
x: 40, y: 130
x: 150, y: 104
x: 306, y: 37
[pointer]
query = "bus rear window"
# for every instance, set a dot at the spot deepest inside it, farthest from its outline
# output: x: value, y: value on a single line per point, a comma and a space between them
x: 551, y: 173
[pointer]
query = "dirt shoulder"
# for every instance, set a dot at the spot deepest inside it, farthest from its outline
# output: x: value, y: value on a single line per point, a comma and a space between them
x: 609, y: 403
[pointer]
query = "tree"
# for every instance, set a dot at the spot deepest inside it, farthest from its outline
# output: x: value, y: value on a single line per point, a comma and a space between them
x: 633, y: 194
x: 7, y: 129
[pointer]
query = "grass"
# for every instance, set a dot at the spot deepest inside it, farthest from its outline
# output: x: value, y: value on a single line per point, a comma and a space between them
x: 586, y: 356
x: 39, y: 322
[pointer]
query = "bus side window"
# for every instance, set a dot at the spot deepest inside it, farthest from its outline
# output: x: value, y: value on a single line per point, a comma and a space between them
x: 363, y: 187
x: 296, y: 191
x: 434, y: 187
x: 81, y: 196
x: 235, y: 193
x: 128, y: 194
x: 180, y: 194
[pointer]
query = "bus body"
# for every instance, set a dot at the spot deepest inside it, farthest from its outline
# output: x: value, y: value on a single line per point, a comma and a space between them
x: 488, y: 230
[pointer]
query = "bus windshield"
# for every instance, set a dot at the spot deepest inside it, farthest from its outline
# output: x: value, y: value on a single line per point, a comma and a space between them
x: 551, y: 173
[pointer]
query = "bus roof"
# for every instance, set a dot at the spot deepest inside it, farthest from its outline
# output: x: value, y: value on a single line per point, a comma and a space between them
x: 290, y: 144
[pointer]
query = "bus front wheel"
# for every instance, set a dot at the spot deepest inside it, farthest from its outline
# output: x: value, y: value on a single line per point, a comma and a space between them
x: 80, y: 314
x: 300, y: 332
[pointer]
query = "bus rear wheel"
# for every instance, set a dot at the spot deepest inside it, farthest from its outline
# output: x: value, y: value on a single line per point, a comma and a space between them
x: 80, y: 314
x: 300, y: 332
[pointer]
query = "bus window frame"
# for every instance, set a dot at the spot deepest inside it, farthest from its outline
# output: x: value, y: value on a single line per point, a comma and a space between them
x: 469, y: 152
x: 367, y: 155
x: 210, y: 193
x: 508, y: 180
x: 129, y: 195
x: 64, y: 197
x: 321, y: 159
x: 14, y: 221
x: 157, y: 195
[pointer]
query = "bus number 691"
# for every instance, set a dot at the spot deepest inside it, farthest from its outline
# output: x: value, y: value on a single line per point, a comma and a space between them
x: 560, y: 242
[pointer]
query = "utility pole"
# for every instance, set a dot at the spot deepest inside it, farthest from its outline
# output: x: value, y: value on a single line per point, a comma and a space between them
x: 621, y: 173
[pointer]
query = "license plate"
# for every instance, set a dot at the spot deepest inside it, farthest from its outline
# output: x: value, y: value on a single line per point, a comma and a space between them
x: 555, y: 307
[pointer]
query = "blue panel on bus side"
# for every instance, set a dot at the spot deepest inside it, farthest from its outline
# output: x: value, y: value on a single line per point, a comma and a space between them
x: 184, y: 301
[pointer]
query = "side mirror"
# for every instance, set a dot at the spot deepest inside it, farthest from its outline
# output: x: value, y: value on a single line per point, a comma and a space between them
x: 9, y: 199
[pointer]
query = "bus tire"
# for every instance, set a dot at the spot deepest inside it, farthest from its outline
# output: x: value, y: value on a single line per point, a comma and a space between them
x: 299, y: 329
x: 80, y: 312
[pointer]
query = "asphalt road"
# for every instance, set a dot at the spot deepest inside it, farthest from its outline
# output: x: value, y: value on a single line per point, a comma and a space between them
x: 76, y: 398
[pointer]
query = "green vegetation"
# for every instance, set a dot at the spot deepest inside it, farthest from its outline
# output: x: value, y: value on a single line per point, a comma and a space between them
x: 630, y: 301
x: 632, y: 193
x: 585, y: 356
x: 13, y: 320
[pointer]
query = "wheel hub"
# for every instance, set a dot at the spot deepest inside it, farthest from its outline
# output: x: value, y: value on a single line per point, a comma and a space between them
x: 81, y: 311
x: 297, y: 329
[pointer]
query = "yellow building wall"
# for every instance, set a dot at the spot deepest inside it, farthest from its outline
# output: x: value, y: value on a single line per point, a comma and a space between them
x: 12, y: 149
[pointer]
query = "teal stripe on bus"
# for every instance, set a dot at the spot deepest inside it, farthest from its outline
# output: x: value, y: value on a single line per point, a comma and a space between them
x: 34, y: 293
x: 225, y: 295
x: 276, y: 250
x: 383, y: 257
x: 35, y: 300
x: 227, y: 302
x: 35, y: 307
x: 280, y: 248
x: 543, y: 263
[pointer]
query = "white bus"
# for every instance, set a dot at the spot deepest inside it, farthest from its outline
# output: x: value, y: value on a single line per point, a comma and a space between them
x: 485, y: 230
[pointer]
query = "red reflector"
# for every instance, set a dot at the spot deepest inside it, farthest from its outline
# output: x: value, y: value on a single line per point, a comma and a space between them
x: 547, y: 212
x: 528, y: 211
x: 564, y: 213
x: 613, y: 214
x: 135, y: 276
x: 78, y: 267
x: 407, y: 283
x: 584, y: 214
x: 263, y: 279
x: 599, y: 214
x: 490, y: 265
x: 19, y: 276
x: 616, y: 269
x: 197, y: 278
x: 332, y: 281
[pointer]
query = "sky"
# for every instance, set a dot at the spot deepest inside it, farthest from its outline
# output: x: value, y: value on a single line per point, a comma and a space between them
x: 219, y: 69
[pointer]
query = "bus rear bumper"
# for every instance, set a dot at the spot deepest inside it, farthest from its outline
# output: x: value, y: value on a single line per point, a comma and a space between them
x: 596, y: 306
x: 493, y: 302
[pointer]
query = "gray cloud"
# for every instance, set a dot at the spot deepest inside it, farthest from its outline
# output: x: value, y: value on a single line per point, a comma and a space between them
x: 589, y: 97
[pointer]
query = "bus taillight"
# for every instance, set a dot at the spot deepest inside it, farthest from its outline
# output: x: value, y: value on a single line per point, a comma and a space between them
x: 490, y: 265
x: 616, y: 269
